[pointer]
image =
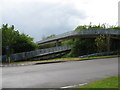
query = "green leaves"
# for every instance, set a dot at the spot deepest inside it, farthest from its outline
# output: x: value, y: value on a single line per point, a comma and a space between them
x: 67, y: 42
x: 100, y: 26
x: 101, y: 43
x: 81, y: 27
x: 8, y: 37
x: 16, y: 41
x: 80, y: 46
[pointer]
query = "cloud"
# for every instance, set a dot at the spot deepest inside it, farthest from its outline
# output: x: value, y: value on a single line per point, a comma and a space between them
x: 46, y: 17
x: 41, y: 18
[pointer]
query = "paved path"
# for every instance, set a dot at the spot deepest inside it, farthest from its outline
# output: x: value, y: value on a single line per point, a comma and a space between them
x: 58, y: 75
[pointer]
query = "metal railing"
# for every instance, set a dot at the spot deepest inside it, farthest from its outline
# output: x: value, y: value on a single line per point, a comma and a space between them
x: 36, y: 53
x: 100, y: 54
x: 82, y: 32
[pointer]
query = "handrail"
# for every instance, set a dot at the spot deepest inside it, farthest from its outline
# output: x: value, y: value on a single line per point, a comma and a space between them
x: 39, y: 52
x: 83, y: 32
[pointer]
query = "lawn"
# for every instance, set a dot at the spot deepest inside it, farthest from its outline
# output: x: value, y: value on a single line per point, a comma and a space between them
x: 111, y: 82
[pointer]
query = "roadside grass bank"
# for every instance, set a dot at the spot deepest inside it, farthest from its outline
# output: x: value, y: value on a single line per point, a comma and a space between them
x: 111, y: 82
x: 67, y: 59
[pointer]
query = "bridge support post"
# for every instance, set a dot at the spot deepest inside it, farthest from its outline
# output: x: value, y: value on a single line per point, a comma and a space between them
x: 108, y: 43
x: 58, y: 43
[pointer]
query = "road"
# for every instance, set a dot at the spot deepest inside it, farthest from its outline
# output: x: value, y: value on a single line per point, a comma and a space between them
x: 58, y: 75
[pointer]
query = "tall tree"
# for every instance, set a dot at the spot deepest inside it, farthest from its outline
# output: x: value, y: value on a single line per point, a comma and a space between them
x: 8, y: 39
x: 14, y: 42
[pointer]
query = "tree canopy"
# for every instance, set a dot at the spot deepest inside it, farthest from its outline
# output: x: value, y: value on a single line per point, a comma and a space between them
x: 14, y: 42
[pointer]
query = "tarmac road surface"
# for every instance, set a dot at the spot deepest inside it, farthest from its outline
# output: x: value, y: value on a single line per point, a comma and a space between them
x: 57, y: 75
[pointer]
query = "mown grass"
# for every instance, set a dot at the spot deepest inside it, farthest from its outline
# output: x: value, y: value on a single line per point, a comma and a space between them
x: 111, y: 82
x: 65, y: 59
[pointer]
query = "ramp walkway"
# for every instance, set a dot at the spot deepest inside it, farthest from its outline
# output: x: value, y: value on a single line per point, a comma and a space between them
x: 36, y: 53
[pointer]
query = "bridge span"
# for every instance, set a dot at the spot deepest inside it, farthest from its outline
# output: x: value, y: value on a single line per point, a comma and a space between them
x: 84, y: 33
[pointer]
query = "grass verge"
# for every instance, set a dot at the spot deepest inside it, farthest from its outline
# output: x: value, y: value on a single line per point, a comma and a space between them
x: 111, y: 82
x: 65, y: 59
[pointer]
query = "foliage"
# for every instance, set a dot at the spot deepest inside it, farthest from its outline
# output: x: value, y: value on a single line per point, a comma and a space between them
x: 114, y: 27
x: 53, y: 35
x: 67, y: 42
x: 42, y: 46
x: 97, y: 26
x: 50, y: 36
x: 15, y: 41
x: 8, y: 38
x: 101, y: 26
x: 82, y: 47
x: 98, y: 44
x: 90, y: 26
x: 101, y: 43
x: 81, y: 27
x: 25, y: 43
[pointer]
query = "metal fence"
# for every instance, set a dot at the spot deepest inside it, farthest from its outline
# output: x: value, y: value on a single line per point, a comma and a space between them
x: 100, y: 54
x: 39, y: 52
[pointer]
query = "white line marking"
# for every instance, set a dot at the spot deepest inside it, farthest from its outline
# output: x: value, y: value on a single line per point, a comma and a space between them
x: 72, y: 86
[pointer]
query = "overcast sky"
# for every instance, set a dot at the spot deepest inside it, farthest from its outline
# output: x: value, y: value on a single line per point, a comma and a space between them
x: 39, y: 18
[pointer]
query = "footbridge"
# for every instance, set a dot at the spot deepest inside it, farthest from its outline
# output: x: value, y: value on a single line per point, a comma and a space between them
x: 84, y: 33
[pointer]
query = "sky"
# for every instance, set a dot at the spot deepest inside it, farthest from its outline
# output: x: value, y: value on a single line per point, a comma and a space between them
x: 41, y: 18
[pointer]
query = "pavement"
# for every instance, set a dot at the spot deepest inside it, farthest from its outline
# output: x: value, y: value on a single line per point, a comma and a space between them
x: 59, y: 75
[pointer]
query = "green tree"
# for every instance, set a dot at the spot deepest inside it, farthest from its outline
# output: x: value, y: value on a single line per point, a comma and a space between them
x: 82, y: 47
x: 101, y: 43
x: 14, y: 42
x: 67, y: 42
x: 8, y: 39
x: 24, y: 43
x: 80, y: 28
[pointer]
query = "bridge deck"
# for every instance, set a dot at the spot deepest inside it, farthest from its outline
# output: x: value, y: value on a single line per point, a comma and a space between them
x: 87, y: 33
